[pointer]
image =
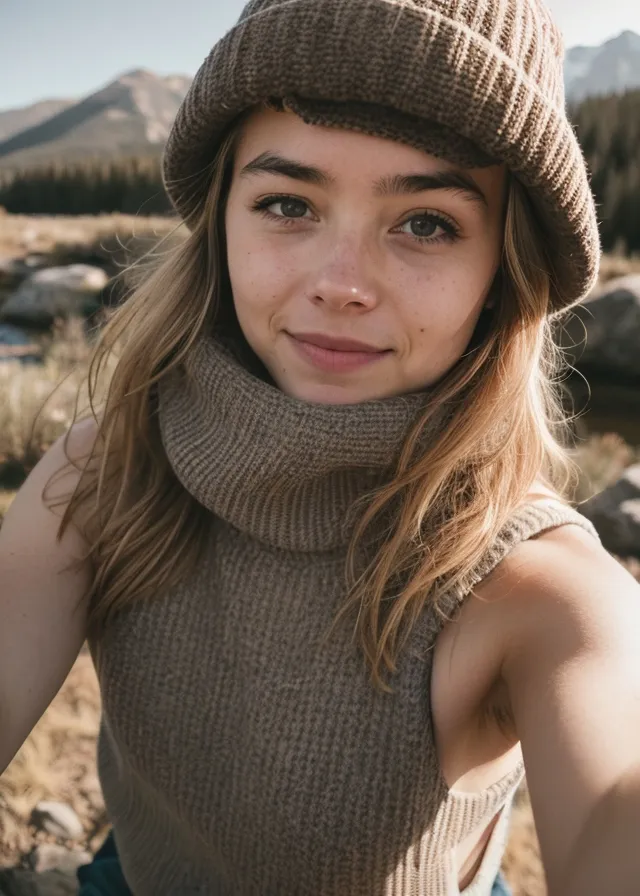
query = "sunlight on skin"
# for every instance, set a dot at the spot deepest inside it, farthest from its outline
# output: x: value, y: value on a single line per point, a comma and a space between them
x: 404, y: 272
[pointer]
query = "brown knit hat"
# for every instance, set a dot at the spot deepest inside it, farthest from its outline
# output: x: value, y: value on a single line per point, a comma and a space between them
x: 474, y: 81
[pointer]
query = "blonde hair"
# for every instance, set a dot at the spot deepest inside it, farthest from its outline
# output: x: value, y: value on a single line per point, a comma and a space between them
x: 444, y: 507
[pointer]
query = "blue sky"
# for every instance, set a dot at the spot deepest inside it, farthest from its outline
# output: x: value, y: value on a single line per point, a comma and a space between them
x: 69, y: 48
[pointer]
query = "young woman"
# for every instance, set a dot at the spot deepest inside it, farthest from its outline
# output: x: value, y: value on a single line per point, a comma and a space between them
x: 316, y: 534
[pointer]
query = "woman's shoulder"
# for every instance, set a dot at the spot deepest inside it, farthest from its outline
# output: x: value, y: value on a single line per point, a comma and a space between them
x: 561, y: 577
x: 563, y: 546
x: 62, y: 468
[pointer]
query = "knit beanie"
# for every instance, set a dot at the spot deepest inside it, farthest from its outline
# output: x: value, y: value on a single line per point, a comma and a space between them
x: 476, y: 82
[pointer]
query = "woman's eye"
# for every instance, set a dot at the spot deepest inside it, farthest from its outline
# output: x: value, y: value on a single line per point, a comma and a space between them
x: 290, y: 207
x: 422, y: 226
x: 425, y: 227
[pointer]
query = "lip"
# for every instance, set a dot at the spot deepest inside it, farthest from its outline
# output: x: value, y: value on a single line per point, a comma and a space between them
x: 335, y: 360
x: 334, y: 343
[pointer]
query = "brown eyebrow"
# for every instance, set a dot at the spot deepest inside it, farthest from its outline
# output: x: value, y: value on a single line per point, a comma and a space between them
x: 271, y: 163
x: 396, y: 185
x: 399, y: 184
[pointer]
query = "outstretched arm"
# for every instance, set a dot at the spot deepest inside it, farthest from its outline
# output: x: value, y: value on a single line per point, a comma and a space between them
x: 42, y: 589
x: 572, y: 670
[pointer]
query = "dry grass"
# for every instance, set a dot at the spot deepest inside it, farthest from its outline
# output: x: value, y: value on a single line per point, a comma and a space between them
x: 57, y: 761
x: 37, y: 401
x: 618, y: 266
x: 23, y: 234
x: 602, y: 459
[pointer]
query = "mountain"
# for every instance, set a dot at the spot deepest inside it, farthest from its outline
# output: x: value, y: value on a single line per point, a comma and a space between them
x: 131, y: 115
x: 612, y: 67
x: 15, y: 120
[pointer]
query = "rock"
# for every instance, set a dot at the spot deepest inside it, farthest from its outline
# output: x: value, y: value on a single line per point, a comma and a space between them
x: 14, y: 882
x: 57, y: 819
x: 17, y: 345
x: 610, y: 318
x: 14, y: 270
x: 615, y: 512
x: 71, y: 291
x: 50, y: 856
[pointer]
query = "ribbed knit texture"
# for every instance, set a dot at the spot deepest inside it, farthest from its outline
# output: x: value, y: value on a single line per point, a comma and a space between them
x: 238, y: 753
x: 477, y: 81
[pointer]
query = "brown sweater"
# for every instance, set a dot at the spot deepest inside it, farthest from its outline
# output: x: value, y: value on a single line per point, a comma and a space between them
x: 240, y: 755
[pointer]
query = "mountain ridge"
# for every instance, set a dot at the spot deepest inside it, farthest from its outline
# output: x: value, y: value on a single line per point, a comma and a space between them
x: 132, y: 115
x: 610, y: 67
x: 12, y: 121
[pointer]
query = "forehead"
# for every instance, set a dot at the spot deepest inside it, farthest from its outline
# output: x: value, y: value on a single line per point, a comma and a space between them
x: 344, y: 153
x: 272, y: 129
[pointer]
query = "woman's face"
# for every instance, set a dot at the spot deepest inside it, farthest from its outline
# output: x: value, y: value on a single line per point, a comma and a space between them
x: 335, y: 236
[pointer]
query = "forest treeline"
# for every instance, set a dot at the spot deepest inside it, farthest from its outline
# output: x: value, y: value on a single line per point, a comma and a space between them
x: 608, y: 129
x: 127, y: 185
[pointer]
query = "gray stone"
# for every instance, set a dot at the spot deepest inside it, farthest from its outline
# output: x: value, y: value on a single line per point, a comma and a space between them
x: 58, y: 292
x: 610, y: 319
x: 50, y: 856
x: 14, y: 270
x: 57, y: 819
x: 615, y: 512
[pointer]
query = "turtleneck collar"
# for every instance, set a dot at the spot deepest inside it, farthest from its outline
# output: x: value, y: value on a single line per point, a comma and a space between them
x: 280, y: 469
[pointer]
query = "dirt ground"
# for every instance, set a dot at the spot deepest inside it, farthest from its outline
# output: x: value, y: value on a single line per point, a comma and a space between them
x: 56, y: 762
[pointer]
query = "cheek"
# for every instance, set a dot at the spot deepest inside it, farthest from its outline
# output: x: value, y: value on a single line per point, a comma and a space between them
x: 443, y: 306
x: 257, y: 277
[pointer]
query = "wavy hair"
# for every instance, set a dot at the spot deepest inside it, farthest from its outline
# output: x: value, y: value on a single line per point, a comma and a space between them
x: 505, y: 429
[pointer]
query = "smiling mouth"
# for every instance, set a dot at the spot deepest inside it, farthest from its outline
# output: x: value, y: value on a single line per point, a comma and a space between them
x: 336, y: 360
x: 335, y: 343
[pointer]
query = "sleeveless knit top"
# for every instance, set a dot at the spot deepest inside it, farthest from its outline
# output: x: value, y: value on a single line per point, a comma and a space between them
x: 241, y: 753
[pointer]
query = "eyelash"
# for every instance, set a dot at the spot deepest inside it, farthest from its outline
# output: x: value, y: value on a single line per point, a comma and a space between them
x: 450, y: 235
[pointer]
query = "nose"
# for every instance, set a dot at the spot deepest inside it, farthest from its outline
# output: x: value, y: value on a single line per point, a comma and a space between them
x: 344, y: 277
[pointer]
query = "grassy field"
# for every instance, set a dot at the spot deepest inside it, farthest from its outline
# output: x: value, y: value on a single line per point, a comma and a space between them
x: 23, y: 234
x: 58, y: 759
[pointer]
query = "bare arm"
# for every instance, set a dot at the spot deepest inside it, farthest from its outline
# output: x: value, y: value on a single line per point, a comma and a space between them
x: 572, y: 669
x: 42, y: 612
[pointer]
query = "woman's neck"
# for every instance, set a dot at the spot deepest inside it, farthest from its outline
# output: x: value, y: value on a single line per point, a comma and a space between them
x: 283, y: 470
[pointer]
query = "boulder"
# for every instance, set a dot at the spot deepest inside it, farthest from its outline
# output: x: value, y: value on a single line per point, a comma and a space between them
x: 610, y: 319
x: 615, y: 512
x: 14, y: 270
x: 58, y: 819
x: 59, y: 292
x: 53, y: 856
